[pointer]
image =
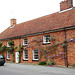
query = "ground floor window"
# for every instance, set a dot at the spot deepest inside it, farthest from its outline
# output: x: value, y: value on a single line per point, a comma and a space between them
x: 8, y: 55
x: 35, y: 54
x: 25, y: 54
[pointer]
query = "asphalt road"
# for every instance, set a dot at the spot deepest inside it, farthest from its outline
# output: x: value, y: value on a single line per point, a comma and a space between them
x: 22, y: 69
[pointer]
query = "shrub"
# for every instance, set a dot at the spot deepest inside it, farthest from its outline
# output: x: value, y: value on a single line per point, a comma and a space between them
x: 11, y: 43
x: 51, y: 62
x: 42, y: 63
x: 0, y: 44
x: 73, y: 65
x: 19, y: 58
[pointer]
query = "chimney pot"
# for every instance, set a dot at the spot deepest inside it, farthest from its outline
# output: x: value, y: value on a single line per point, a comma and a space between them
x: 66, y: 4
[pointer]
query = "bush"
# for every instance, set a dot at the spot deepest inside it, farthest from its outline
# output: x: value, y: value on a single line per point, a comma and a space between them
x: 51, y: 63
x: 19, y: 58
x: 0, y: 44
x: 42, y: 63
x: 11, y: 43
x: 73, y: 65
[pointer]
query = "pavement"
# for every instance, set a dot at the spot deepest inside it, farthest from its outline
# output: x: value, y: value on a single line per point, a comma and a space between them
x: 24, y: 69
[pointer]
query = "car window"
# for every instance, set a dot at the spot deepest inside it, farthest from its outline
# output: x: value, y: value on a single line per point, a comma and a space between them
x: 1, y: 56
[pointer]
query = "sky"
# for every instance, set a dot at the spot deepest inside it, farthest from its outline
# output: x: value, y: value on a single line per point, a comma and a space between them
x: 25, y: 10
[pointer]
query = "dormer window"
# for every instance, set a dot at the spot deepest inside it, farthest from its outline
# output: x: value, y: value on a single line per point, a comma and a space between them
x: 25, y: 41
x: 46, y: 39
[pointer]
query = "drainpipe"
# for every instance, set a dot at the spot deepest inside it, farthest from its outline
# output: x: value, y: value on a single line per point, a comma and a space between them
x: 66, y: 48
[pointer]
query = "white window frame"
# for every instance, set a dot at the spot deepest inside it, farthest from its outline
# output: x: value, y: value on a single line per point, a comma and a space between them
x: 24, y: 55
x: 34, y: 54
x: 24, y: 43
x: 7, y: 55
x: 44, y: 39
x: 8, y: 44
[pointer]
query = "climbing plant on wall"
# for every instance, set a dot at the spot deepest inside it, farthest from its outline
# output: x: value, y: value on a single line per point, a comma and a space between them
x: 49, y: 51
x: 20, y: 50
x: 2, y: 48
x: 11, y: 48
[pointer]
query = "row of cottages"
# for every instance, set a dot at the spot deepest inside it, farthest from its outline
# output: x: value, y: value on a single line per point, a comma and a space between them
x: 51, y: 37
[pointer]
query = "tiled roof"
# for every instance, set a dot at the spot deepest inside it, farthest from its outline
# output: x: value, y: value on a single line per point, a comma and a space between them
x: 46, y: 23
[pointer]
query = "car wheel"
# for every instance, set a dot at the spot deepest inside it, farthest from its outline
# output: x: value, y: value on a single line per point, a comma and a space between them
x: 2, y: 64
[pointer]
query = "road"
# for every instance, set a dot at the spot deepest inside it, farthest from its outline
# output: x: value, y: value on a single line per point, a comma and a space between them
x: 22, y: 69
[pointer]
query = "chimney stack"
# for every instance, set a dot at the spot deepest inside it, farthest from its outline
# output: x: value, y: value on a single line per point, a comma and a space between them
x: 13, y: 22
x: 66, y: 4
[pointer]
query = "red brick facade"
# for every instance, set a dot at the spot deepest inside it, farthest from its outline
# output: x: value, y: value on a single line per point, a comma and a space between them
x: 60, y: 37
x: 59, y: 25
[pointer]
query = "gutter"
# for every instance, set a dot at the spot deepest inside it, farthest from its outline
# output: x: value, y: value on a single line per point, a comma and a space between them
x: 39, y: 33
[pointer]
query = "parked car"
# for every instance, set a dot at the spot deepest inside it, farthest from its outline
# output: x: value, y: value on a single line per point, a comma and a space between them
x: 2, y: 60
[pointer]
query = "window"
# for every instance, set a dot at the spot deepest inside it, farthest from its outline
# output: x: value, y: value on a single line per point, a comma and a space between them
x: 8, y: 44
x: 1, y: 56
x: 25, y: 41
x: 35, y: 54
x: 8, y: 55
x: 25, y: 54
x: 46, y: 39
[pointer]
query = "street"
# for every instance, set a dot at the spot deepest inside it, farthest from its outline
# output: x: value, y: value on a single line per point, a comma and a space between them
x: 22, y: 69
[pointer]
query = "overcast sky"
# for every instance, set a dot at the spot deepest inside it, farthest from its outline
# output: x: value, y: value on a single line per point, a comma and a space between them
x: 25, y: 10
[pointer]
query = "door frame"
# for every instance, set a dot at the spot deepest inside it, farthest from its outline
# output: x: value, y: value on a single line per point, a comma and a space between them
x: 16, y: 57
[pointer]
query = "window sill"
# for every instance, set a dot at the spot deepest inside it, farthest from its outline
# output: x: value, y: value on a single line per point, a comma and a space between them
x: 8, y: 46
x: 35, y: 60
x: 25, y: 45
x: 46, y: 43
x: 25, y: 60
x: 8, y: 59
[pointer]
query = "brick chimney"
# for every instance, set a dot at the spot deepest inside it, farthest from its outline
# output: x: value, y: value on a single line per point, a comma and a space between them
x: 66, y: 4
x: 13, y: 22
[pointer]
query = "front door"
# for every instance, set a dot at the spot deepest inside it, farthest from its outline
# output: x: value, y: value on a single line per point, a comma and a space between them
x: 16, y: 57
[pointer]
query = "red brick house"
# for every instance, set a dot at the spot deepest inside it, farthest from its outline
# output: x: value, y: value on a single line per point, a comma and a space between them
x: 60, y: 25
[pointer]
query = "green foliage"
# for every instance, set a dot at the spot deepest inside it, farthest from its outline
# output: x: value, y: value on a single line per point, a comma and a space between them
x: 15, y: 47
x: 8, y: 49
x: 51, y: 62
x: 19, y: 58
x: 2, y: 48
x: 11, y: 43
x: 73, y: 65
x: 64, y: 45
x: 42, y: 63
x: 20, y: 48
x: 12, y: 49
x: 13, y: 61
x: 13, y: 58
x: 13, y: 54
x: 0, y: 44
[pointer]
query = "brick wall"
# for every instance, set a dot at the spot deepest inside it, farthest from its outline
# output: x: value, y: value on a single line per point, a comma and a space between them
x: 60, y: 37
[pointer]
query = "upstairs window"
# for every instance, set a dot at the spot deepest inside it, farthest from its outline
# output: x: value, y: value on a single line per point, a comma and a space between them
x: 8, y: 44
x: 25, y: 54
x: 25, y: 41
x: 46, y: 39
